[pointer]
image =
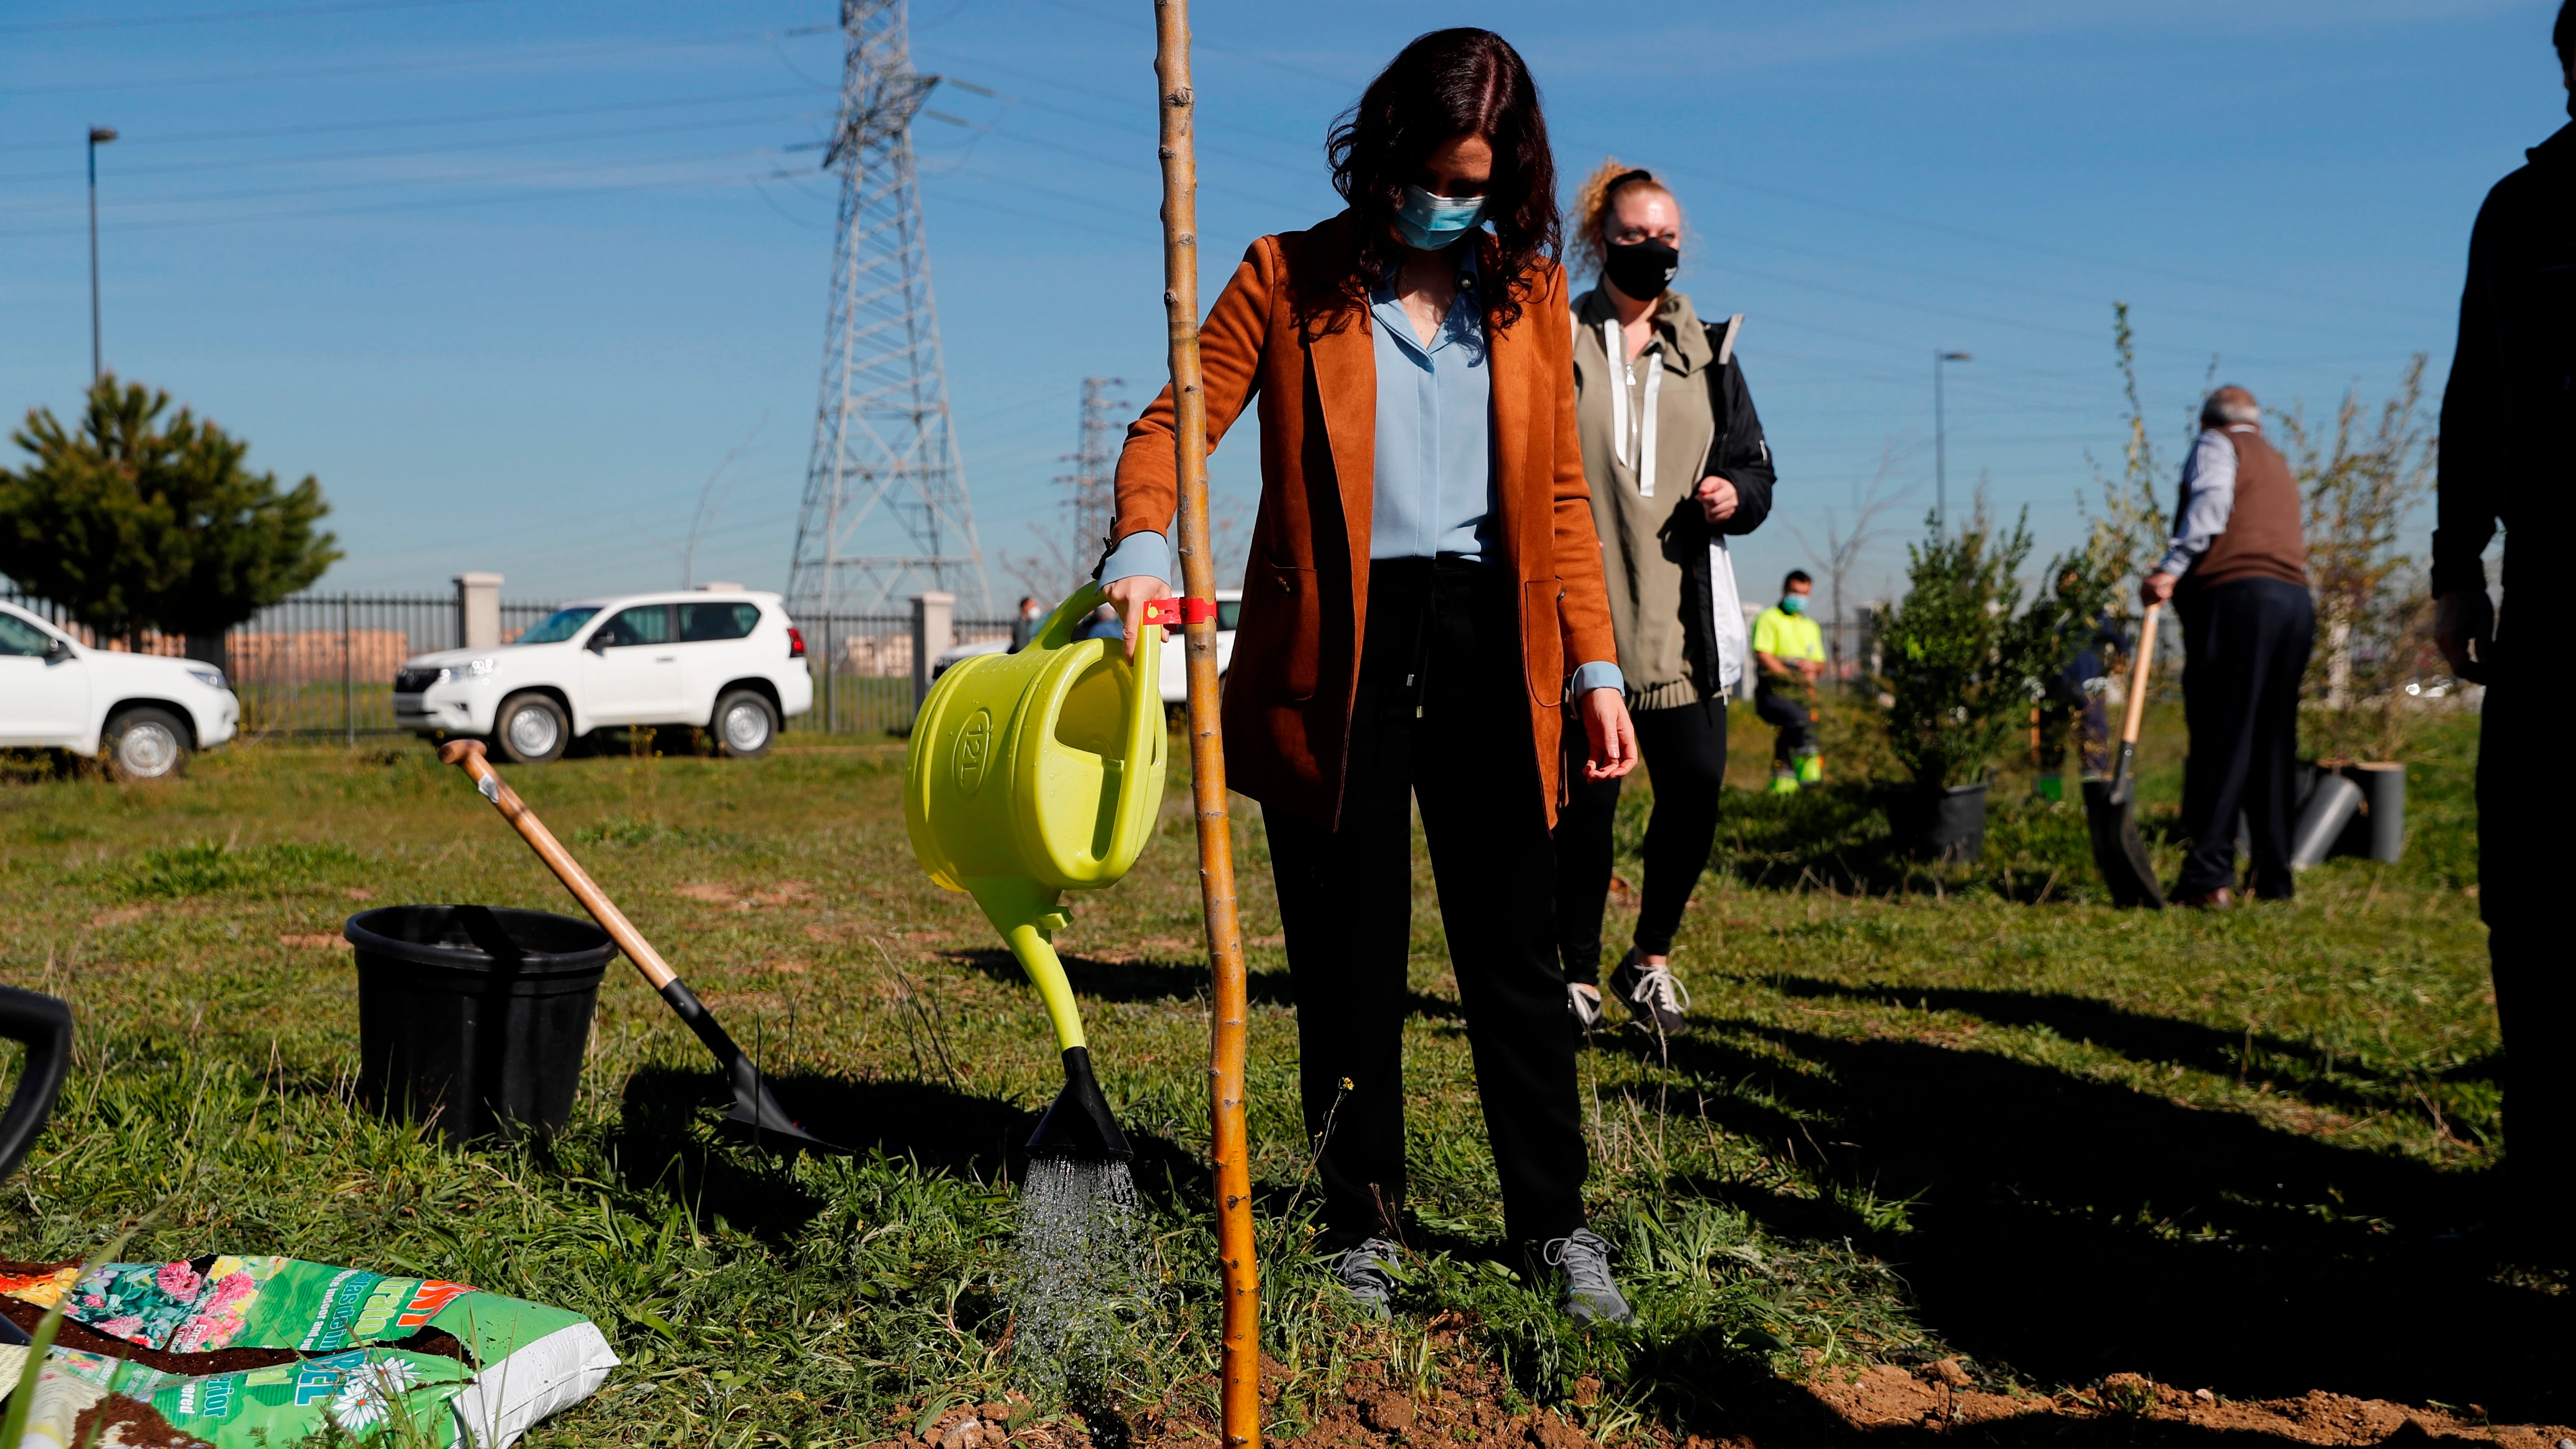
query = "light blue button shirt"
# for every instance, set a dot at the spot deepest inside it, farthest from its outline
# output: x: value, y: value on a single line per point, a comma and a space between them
x: 1434, y: 487
x: 1433, y: 490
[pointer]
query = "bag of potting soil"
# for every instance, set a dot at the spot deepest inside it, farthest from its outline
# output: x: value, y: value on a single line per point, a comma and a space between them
x: 250, y: 1350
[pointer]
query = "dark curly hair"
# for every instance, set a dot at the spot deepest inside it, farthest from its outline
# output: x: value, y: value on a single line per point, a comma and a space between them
x: 1446, y: 84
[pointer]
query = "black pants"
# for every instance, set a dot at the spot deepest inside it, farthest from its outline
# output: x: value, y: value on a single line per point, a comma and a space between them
x: 2245, y: 646
x: 1795, y: 721
x: 1685, y: 752
x: 2079, y: 717
x: 1443, y: 639
x: 2522, y: 854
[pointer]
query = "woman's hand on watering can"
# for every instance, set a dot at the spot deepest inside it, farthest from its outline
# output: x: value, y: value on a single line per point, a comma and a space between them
x: 1612, y: 734
x: 1131, y: 594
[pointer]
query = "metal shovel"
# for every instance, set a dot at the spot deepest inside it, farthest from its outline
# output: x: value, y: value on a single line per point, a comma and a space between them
x: 2111, y: 806
x: 753, y: 1107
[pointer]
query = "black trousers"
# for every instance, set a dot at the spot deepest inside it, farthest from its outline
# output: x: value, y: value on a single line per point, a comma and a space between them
x: 2245, y: 646
x: 1685, y: 750
x: 2080, y: 718
x: 2522, y: 855
x: 1795, y: 722
x: 1442, y: 719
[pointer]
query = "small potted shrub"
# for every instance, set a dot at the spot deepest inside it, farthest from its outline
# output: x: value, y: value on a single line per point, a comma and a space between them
x: 1961, y: 664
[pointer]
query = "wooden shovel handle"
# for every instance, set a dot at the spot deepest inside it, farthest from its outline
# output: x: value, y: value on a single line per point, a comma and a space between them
x: 467, y: 755
x: 2137, y: 676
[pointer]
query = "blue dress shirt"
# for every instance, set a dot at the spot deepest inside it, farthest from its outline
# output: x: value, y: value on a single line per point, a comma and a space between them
x: 1434, y: 487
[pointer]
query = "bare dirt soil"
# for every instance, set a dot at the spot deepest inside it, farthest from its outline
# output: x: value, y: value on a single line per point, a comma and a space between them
x: 1877, y: 1405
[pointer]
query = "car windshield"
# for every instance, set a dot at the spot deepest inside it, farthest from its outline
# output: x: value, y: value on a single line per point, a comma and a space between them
x: 556, y: 627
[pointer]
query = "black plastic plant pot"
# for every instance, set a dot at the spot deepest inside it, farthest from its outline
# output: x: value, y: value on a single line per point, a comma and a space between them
x: 1941, y: 823
x: 475, y: 1018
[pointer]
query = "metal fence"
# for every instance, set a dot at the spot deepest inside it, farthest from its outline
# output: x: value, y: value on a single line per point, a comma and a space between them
x: 863, y: 669
x: 322, y: 665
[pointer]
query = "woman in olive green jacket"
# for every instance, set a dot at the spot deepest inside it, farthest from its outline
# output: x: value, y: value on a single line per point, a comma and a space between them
x: 1676, y: 460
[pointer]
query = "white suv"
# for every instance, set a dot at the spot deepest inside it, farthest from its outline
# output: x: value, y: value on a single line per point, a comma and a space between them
x: 146, y: 712
x: 728, y: 661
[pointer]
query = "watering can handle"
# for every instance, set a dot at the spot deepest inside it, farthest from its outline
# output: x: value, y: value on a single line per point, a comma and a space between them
x: 44, y: 1023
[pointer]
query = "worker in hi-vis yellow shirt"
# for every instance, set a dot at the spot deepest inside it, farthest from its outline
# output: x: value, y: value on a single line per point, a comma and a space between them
x: 1789, y: 650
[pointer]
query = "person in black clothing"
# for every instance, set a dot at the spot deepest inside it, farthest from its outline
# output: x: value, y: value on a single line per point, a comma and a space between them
x: 2508, y: 452
x: 1024, y: 626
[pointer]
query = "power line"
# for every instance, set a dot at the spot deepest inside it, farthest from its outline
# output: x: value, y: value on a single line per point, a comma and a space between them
x: 342, y: 72
x: 469, y: 179
x: 208, y: 17
x: 2020, y: 244
x: 470, y: 118
x: 503, y: 143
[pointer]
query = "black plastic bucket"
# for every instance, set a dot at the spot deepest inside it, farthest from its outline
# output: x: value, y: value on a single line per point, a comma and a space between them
x: 475, y: 1017
x: 1942, y: 823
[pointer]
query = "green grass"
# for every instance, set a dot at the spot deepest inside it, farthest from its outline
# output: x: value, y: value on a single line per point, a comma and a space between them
x: 1927, y: 1112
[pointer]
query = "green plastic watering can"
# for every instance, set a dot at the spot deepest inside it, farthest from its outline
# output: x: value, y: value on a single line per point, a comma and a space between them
x: 1033, y: 774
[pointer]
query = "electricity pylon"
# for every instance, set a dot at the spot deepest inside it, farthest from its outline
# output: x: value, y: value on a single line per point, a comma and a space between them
x: 885, y: 513
x: 1094, y: 479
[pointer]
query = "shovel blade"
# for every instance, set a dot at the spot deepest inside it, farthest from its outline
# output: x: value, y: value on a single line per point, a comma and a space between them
x: 2111, y: 814
x: 760, y: 1116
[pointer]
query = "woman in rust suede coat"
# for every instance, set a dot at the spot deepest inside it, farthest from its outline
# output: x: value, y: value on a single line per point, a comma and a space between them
x: 1424, y: 581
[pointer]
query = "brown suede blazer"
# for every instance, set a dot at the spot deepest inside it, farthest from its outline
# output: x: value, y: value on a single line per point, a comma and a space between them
x: 1305, y: 354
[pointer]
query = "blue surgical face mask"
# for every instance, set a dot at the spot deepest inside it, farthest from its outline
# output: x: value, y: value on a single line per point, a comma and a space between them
x: 1428, y: 223
x: 1793, y: 603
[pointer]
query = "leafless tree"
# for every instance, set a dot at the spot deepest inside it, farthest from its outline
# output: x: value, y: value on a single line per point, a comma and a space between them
x: 1844, y: 545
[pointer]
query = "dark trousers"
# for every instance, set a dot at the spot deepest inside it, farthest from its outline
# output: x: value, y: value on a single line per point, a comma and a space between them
x: 2522, y: 852
x: 1795, y: 722
x: 2081, y: 718
x: 1444, y: 640
x: 1685, y: 752
x: 2245, y: 647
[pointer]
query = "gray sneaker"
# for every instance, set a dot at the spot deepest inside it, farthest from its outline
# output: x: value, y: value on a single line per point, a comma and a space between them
x: 1590, y: 1295
x: 1655, y: 1000
x: 1367, y: 1271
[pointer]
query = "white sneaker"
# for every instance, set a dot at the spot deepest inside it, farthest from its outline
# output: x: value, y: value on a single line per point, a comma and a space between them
x: 1583, y: 1002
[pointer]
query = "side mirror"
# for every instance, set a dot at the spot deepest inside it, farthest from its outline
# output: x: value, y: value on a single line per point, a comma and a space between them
x: 597, y: 643
x: 57, y: 649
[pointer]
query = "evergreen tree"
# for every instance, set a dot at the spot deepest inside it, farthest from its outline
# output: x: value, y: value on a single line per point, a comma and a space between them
x: 133, y: 523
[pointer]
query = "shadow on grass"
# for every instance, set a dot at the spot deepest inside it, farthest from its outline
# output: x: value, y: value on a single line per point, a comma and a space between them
x: 2071, y: 1228
x: 663, y: 1142
x: 2315, y: 1075
x: 1839, y: 838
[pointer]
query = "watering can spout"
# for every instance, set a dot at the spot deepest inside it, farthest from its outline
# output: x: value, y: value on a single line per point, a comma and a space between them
x: 1080, y: 1123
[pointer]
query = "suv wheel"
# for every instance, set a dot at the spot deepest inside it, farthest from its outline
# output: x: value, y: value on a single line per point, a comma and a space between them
x: 744, y: 725
x: 146, y: 744
x: 531, y: 729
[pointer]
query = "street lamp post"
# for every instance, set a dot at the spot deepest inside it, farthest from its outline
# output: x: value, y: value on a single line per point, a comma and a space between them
x: 1941, y: 441
x: 98, y: 136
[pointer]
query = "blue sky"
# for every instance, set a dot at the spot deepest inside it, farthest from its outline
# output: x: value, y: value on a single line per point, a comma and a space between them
x: 513, y: 280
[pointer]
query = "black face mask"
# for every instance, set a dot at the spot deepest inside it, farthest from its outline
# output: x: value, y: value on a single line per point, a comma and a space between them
x: 1641, y: 269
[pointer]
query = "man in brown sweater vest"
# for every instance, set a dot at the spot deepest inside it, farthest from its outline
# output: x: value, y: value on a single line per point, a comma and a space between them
x: 2237, y: 572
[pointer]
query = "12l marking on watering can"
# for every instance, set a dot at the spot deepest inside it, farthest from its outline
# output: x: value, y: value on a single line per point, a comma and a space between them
x: 974, y: 752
